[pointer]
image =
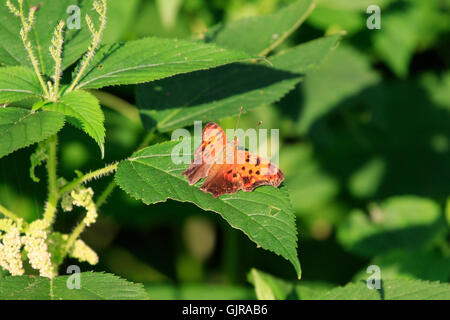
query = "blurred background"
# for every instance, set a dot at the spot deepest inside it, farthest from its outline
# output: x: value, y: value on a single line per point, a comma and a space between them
x: 364, y: 146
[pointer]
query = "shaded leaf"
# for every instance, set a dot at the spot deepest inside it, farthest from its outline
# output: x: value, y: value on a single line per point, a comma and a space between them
x: 264, y: 215
x: 419, y: 264
x: 260, y: 35
x: 20, y: 128
x: 85, y: 108
x: 391, y: 290
x: 151, y: 59
x: 120, y: 17
x: 18, y: 83
x: 269, y: 287
x: 213, y: 94
x: 406, y: 222
x: 202, y: 291
x: 343, y: 74
x: 429, y: 22
x: 94, y: 286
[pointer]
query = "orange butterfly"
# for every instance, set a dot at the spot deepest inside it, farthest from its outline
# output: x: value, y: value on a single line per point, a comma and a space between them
x: 245, y: 171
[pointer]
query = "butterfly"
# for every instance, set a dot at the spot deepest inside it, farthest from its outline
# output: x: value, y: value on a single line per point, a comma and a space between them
x: 228, y: 168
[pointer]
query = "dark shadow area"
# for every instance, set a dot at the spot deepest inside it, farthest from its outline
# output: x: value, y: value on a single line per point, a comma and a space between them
x: 207, y: 86
x: 397, y: 122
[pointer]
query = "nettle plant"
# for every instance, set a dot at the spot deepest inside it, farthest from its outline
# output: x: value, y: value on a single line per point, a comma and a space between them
x: 178, y: 82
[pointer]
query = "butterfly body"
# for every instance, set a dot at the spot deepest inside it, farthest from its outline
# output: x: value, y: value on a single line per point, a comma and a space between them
x: 227, y: 168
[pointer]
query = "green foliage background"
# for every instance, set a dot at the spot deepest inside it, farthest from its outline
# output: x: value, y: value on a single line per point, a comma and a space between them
x: 364, y: 146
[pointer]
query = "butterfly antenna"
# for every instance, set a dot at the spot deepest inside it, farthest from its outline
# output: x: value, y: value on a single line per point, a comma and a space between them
x: 239, y: 118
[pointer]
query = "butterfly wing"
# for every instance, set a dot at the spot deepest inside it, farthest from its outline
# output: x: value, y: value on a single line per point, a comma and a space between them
x: 222, y: 179
x: 247, y: 172
x: 209, y: 152
x: 256, y: 171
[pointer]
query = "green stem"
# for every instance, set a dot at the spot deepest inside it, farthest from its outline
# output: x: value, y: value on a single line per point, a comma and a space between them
x: 87, y: 177
x: 105, y: 194
x: 8, y: 214
x: 75, y: 234
x: 53, y: 195
x: 29, y: 49
x: 123, y: 107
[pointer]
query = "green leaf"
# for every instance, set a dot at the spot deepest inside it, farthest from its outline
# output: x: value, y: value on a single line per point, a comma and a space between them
x: 269, y: 287
x: 337, y: 19
x: 213, y: 94
x: 151, y: 59
x: 418, y: 264
x: 343, y: 74
x: 18, y: 83
x: 201, y: 291
x: 120, y: 16
x: 85, y: 108
x: 264, y: 215
x: 447, y: 211
x: 20, y: 128
x: 430, y: 22
x: 260, y: 35
x: 306, y: 178
x: 50, y: 12
x: 391, y: 290
x: 94, y: 286
x: 168, y: 11
x: 406, y: 222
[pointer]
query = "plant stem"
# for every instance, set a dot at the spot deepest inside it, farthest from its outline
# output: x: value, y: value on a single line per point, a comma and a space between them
x: 8, y: 214
x: 26, y: 26
x: 75, y: 234
x: 89, y: 176
x: 105, y: 194
x: 123, y: 107
x: 53, y: 195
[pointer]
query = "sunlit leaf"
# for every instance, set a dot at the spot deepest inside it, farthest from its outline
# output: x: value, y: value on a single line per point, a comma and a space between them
x: 151, y: 59
x: 18, y: 83
x: 85, y: 108
x: 93, y: 286
x: 264, y: 215
x: 20, y: 128
x: 260, y: 35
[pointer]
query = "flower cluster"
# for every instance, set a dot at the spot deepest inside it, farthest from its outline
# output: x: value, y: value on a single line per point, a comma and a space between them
x: 37, y: 250
x: 33, y: 242
x: 83, y: 252
x: 10, y: 256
